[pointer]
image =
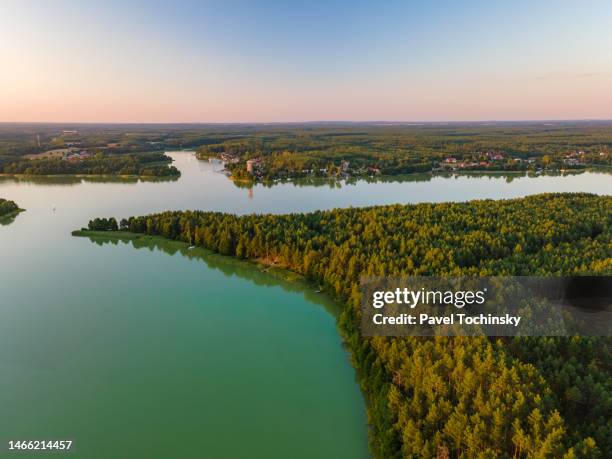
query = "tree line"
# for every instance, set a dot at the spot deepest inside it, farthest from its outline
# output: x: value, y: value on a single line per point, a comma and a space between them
x: 103, y: 224
x: 146, y: 165
x: 446, y: 396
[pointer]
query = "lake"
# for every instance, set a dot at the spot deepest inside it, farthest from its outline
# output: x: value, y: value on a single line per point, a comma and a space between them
x: 146, y: 349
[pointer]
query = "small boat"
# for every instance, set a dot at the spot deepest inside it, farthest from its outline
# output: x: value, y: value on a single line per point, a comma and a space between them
x: 191, y: 247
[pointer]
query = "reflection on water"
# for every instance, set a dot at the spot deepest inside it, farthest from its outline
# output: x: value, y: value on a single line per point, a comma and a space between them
x: 333, y: 183
x: 40, y: 180
x: 337, y: 183
x: 8, y: 219
x: 79, y: 179
x: 256, y: 274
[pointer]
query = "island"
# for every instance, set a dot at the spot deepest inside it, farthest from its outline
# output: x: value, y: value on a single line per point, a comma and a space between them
x: 8, y: 208
x: 84, y: 163
x: 518, y: 397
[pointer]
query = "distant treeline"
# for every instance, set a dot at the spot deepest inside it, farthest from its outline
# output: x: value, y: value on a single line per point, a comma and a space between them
x: 146, y: 165
x: 103, y: 224
x: 19, y: 139
x: 7, y: 207
x: 401, y: 149
x: 319, y: 149
x: 446, y: 397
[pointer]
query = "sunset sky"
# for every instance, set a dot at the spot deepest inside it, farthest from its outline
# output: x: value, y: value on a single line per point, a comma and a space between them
x: 239, y: 61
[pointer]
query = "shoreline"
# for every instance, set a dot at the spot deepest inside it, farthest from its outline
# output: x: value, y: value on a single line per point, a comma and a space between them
x: 128, y: 176
x: 398, y: 177
x: 264, y: 265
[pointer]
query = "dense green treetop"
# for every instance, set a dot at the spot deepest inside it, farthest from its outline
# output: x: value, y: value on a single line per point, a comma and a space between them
x: 7, y: 207
x: 147, y: 165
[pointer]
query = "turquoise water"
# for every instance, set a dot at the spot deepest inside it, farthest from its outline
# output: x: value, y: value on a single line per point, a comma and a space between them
x: 155, y: 351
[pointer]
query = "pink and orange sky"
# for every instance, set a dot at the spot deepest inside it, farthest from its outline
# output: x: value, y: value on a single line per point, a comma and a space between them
x: 241, y: 61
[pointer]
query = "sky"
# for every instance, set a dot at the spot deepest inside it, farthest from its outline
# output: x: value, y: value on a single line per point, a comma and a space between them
x: 277, y: 61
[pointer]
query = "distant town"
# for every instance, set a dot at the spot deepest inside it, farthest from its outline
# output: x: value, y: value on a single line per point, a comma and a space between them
x: 257, y: 168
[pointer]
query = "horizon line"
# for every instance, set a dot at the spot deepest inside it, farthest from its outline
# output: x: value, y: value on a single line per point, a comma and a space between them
x: 253, y: 123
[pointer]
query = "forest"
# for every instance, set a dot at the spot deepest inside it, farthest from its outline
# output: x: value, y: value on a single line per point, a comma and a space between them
x: 320, y: 149
x: 444, y: 397
x: 144, y: 165
x: 396, y: 149
x: 7, y: 207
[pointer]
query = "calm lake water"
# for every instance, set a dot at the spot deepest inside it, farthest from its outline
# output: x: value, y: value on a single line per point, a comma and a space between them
x: 149, y: 350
